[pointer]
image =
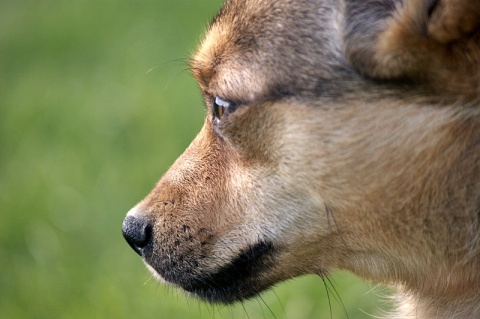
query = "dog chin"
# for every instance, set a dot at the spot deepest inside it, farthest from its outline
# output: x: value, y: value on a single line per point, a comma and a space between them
x: 240, y: 279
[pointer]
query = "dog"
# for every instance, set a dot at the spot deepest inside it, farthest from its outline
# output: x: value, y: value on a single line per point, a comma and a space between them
x: 339, y: 134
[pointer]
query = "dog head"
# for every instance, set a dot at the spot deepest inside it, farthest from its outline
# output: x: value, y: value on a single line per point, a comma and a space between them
x: 326, y: 144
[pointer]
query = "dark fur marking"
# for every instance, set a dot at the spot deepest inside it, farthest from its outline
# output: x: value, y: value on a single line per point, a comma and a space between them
x: 235, y: 281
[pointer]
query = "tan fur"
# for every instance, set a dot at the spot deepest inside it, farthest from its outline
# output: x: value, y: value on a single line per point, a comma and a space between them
x: 354, y: 145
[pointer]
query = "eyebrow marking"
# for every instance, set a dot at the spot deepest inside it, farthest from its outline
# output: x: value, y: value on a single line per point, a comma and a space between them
x: 201, y: 71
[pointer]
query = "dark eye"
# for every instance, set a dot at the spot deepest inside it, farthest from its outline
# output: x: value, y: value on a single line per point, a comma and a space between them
x: 220, y: 107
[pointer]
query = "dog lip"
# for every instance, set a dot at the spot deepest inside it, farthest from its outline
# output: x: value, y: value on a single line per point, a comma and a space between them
x: 236, y: 281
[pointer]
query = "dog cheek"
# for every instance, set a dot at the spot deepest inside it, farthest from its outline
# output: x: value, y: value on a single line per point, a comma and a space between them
x: 277, y: 176
x: 254, y: 131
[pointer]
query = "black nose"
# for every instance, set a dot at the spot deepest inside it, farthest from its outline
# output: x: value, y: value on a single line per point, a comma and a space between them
x: 137, y: 232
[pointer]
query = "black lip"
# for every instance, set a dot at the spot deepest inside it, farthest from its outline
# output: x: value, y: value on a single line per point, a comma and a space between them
x: 240, y: 279
x: 236, y: 281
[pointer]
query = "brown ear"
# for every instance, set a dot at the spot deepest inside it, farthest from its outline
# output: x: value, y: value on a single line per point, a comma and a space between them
x: 452, y: 20
x: 435, y: 43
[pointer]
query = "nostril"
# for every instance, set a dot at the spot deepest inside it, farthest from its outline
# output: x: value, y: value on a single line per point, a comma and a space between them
x: 137, y: 232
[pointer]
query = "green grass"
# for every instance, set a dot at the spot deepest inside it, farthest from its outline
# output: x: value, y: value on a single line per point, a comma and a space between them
x: 95, y: 104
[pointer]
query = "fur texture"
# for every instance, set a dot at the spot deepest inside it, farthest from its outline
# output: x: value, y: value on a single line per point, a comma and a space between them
x: 349, y: 140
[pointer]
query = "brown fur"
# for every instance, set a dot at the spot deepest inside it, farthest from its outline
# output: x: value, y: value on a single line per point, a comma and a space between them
x: 352, y: 143
x: 439, y: 51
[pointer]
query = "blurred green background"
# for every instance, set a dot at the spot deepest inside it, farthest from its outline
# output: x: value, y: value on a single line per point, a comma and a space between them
x: 95, y: 104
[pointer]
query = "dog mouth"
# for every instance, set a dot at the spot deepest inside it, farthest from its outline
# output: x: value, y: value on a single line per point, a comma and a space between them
x: 240, y: 279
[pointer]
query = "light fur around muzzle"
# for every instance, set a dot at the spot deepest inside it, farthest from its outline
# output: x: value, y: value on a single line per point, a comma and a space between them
x: 349, y: 140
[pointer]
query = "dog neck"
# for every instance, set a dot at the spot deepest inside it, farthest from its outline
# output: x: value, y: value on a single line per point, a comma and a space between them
x: 413, y: 306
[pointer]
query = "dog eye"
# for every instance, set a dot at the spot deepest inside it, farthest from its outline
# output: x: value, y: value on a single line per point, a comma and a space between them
x: 219, y: 107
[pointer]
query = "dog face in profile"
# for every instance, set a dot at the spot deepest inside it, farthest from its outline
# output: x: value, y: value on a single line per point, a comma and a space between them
x: 338, y: 135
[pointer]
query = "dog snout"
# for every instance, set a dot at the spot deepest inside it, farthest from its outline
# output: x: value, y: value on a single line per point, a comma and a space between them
x: 137, y: 232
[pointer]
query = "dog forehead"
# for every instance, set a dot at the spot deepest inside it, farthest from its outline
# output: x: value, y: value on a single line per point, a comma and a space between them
x: 256, y: 49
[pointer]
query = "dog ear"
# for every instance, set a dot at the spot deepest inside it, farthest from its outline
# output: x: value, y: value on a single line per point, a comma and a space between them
x: 452, y: 20
x: 431, y: 42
